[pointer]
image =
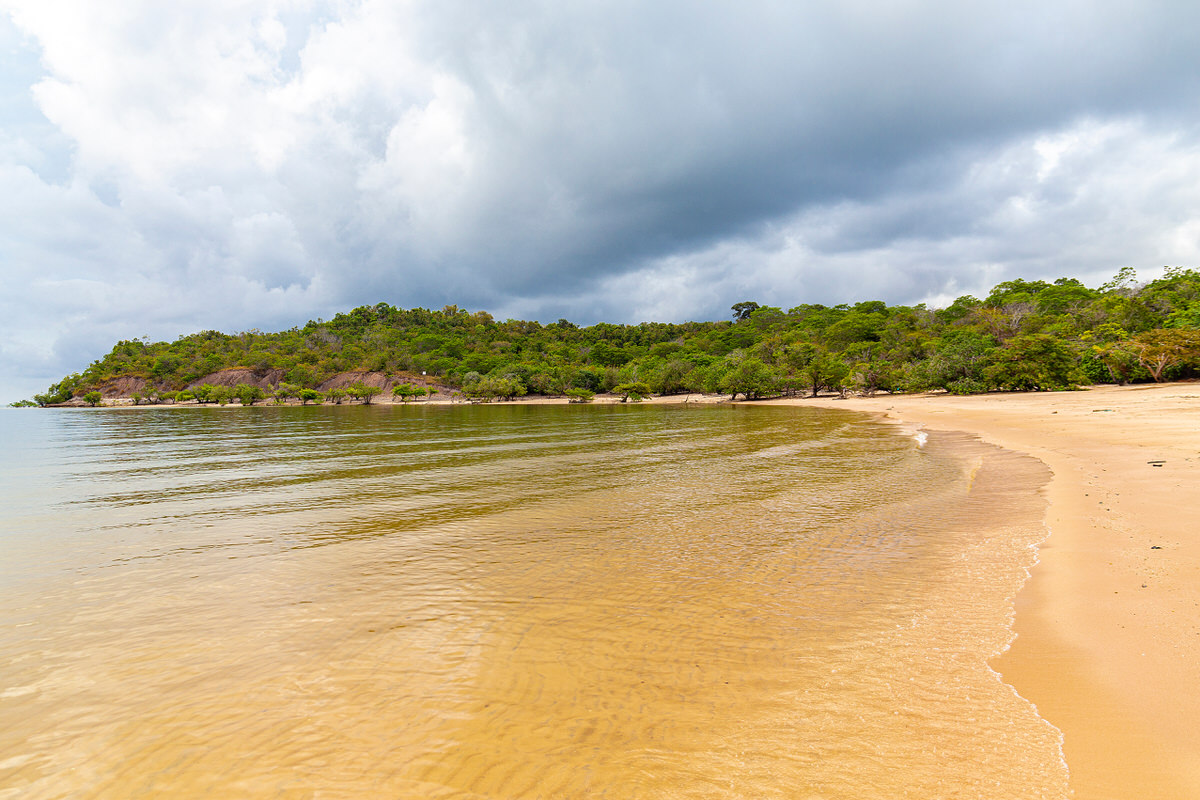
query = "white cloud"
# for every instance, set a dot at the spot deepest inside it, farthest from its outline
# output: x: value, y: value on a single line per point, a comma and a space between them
x: 1081, y: 202
x: 255, y: 163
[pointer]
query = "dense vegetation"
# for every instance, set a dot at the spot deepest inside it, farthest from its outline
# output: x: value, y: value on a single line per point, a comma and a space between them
x: 1025, y: 335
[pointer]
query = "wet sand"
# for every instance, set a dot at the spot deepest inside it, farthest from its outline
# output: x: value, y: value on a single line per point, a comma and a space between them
x: 1108, y: 627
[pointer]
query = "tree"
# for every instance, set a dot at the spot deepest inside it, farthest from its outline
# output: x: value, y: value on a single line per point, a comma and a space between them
x: 750, y: 377
x: 1186, y: 317
x: 93, y: 398
x: 743, y: 310
x: 490, y: 387
x: 870, y: 375
x: 406, y: 391
x: 1159, y: 350
x: 856, y: 326
x: 1034, y: 362
x: 1119, y: 359
x: 478, y: 387
x: 1124, y: 282
x: 958, y: 361
x: 960, y: 310
x: 248, y: 394
x: 766, y: 318
x: 547, y: 382
x: 362, y: 392
x: 606, y: 354
x: 675, y: 377
x: 337, y: 395
x: 310, y: 396
x: 203, y: 393
x: 221, y: 394
x: 816, y: 367
x: 635, y: 391
x: 283, y: 391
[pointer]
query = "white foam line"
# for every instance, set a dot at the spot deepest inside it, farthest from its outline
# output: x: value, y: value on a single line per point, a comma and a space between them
x: 1036, y: 547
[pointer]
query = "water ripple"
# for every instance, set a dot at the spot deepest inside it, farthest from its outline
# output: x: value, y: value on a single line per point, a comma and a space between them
x: 510, y: 602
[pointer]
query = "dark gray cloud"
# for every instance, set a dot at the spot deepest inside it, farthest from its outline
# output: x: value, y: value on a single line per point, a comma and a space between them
x: 244, y: 165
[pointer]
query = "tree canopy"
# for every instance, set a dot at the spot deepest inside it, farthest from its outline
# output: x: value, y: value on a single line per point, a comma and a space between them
x: 1023, y: 335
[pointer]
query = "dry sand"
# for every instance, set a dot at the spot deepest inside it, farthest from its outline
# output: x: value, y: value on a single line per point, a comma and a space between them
x: 1108, y: 626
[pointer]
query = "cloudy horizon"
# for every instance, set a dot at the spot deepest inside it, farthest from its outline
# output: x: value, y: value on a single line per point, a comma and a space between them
x: 253, y: 164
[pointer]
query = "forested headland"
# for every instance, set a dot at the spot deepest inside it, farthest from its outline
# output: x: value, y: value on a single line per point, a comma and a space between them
x: 1024, y: 335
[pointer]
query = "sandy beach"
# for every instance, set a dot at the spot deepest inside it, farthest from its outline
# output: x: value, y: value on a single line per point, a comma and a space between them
x: 1108, y: 626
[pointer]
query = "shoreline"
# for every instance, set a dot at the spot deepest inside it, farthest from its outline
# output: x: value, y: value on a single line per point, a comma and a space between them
x: 1108, y: 626
x: 695, y: 398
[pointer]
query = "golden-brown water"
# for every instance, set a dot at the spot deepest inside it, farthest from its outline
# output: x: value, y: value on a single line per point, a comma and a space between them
x: 511, y: 602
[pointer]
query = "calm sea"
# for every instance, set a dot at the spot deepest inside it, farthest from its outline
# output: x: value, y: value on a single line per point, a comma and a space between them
x: 510, y: 602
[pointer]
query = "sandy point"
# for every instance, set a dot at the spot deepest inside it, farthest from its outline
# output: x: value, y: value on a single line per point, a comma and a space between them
x: 1108, y: 626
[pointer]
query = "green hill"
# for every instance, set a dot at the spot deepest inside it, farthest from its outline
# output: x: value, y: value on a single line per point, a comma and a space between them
x: 1025, y: 335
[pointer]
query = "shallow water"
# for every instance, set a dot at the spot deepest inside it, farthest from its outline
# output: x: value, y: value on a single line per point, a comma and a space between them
x: 511, y: 602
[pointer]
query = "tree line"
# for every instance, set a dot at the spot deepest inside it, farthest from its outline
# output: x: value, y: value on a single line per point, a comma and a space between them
x: 248, y: 394
x: 1024, y: 335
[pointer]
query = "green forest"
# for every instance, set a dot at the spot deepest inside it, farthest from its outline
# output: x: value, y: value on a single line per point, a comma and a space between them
x: 1024, y: 335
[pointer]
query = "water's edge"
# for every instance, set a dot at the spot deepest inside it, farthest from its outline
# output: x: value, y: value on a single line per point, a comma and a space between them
x: 753, y: 602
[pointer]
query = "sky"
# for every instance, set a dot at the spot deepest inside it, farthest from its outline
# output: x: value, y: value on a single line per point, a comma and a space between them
x: 167, y: 168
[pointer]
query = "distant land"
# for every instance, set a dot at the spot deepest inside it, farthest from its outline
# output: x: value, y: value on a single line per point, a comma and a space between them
x: 1025, y: 335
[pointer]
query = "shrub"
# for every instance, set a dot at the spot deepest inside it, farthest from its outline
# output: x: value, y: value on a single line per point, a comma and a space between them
x: 636, y: 391
x: 406, y: 391
x: 248, y: 394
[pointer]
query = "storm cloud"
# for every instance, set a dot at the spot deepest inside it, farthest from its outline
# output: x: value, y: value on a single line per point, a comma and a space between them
x: 233, y: 164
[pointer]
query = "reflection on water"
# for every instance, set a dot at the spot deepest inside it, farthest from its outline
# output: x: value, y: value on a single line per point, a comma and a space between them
x: 510, y: 602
